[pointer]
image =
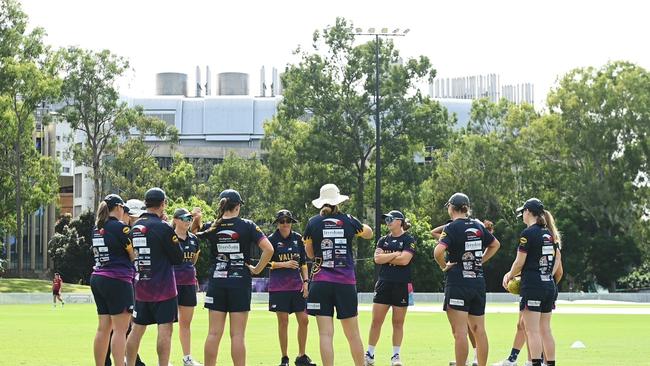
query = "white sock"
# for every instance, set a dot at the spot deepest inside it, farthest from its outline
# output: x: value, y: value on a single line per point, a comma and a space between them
x: 187, y: 357
x: 475, y: 355
x: 371, y: 350
x: 396, y: 350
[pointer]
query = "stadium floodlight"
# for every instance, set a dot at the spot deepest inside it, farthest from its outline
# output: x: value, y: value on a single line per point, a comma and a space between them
x: 371, y: 30
x: 384, y: 30
x: 358, y: 30
x: 396, y: 31
x: 406, y: 31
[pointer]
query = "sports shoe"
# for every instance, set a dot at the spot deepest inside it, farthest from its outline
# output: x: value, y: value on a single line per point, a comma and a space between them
x: 474, y: 363
x: 369, y: 360
x: 505, y: 362
x: 190, y: 362
x: 395, y: 361
x: 528, y: 363
x: 304, y: 360
x: 284, y: 361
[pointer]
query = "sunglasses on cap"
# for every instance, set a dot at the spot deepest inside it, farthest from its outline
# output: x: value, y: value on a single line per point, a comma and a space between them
x: 284, y: 221
x: 389, y: 219
x: 186, y: 218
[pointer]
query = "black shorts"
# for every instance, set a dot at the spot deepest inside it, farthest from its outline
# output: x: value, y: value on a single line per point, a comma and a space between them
x: 287, y: 301
x: 325, y: 296
x: 112, y: 296
x: 186, y: 295
x: 160, y: 312
x: 467, y: 299
x: 228, y: 300
x: 391, y: 293
x: 537, y: 300
x: 56, y: 292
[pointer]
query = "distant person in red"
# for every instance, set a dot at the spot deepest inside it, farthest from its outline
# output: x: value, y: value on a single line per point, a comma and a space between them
x: 57, y: 282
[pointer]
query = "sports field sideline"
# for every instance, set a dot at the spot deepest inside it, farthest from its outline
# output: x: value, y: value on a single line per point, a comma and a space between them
x: 614, y: 334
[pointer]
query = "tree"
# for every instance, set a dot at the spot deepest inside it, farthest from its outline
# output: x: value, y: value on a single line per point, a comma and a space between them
x: 181, y: 180
x: 28, y: 78
x: 71, y: 250
x: 332, y: 88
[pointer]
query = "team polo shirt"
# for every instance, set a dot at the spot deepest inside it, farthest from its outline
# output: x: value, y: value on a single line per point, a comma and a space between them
x: 331, y: 237
x: 111, y: 246
x: 230, y: 248
x: 158, y: 250
x: 185, y: 273
x: 286, y: 249
x: 539, y: 245
x: 465, y: 239
x: 389, y: 244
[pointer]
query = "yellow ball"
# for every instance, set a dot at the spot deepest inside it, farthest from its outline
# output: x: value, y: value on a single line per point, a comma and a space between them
x: 514, y: 285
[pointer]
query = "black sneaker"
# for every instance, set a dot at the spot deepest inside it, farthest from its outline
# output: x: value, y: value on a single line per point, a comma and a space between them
x: 304, y: 360
x: 284, y: 361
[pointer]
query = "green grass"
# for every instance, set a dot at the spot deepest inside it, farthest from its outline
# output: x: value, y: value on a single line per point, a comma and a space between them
x: 40, y: 335
x: 26, y: 285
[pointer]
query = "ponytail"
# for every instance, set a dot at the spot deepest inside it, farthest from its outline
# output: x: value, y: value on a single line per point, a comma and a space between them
x: 102, y: 215
x: 550, y: 224
x: 464, y: 209
x: 406, y: 224
x: 224, y: 205
x: 327, y: 210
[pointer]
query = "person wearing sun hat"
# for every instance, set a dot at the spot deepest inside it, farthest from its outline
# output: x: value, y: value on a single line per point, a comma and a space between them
x: 394, y: 253
x: 328, y: 240
x: 464, y: 246
x: 289, y: 284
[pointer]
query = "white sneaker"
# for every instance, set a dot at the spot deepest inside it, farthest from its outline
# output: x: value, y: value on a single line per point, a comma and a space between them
x: 369, y: 360
x: 505, y: 363
x: 395, y: 361
x: 190, y: 362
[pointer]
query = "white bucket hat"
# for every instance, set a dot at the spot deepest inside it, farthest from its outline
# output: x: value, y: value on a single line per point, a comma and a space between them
x: 136, y: 207
x: 329, y: 195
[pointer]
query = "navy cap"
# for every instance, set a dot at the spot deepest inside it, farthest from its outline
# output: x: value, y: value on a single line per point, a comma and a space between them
x: 231, y: 195
x: 284, y: 214
x: 154, y: 195
x: 113, y: 200
x: 394, y: 214
x: 181, y: 212
x: 533, y: 205
x: 458, y: 200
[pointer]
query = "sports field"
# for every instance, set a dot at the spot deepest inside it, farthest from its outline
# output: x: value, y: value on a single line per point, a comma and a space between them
x: 41, y: 335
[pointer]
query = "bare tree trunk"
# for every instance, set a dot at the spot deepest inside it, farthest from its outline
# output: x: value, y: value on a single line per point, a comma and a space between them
x: 19, y: 203
x: 97, y: 187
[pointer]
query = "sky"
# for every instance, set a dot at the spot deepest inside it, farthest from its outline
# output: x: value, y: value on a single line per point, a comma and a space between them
x: 523, y: 41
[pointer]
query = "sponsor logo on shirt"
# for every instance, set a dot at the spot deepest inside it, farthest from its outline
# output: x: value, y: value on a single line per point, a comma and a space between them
x: 228, y: 247
x: 333, y: 233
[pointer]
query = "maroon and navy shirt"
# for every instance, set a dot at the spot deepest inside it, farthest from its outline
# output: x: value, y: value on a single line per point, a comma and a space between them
x: 331, y: 237
x: 465, y: 239
x: 185, y: 273
x: 389, y: 244
x: 111, y: 246
x: 286, y: 249
x: 230, y: 249
x: 540, y: 248
x: 158, y: 250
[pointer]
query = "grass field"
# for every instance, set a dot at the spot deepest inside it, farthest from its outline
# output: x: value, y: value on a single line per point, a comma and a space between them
x: 40, y: 335
x: 26, y: 285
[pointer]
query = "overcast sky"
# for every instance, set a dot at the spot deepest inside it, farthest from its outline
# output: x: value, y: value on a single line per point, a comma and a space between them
x: 523, y: 41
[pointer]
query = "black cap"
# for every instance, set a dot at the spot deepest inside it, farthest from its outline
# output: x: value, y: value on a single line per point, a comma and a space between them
x: 113, y: 200
x: 458, y: 200
x: 231, y: 195
x: 284, y: 214
x: 393, y: 214
x: 154, y: 195
x: 181, y: 212
x: 533, y: 205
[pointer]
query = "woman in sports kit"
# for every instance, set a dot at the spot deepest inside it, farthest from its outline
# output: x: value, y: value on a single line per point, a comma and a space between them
x: 57, y: 283
x: 288, y: 284
x: 112, y: 279
x: 468, y: 245
x: 394, y: 253
x: 229, y: 289
x: 538, y: 260
x: 328, y: 239
x: 185, y: 275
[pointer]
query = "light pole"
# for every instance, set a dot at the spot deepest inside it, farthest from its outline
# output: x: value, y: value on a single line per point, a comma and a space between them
x: 383, y: 33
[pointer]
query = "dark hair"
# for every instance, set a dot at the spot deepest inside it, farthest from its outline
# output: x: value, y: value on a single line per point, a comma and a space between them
x: 154, y: 204
x: 462, y: 209
x: 406, y: 224
x: 329, y: 210
x: 224, y: 205
x: 102, y: 215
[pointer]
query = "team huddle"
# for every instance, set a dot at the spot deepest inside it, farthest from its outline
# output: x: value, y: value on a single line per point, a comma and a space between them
x: 145, y: 274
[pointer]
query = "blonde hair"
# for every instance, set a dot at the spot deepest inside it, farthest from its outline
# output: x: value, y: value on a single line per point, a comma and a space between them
x: 550, y: 224
x: 102, y: 215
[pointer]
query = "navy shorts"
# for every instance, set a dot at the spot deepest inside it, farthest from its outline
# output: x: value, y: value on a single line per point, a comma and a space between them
x: 228, y: 300
x: 186, y: 295
x: 468, y: 299
x: 391, y: 293
x: 287, y: 301
x: 325, y: 296
x: 538, y: 300
x: 112, y: 296
x: 160, y: 312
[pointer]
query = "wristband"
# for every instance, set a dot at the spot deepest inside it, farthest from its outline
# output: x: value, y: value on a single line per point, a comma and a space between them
x: 272, y: 265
